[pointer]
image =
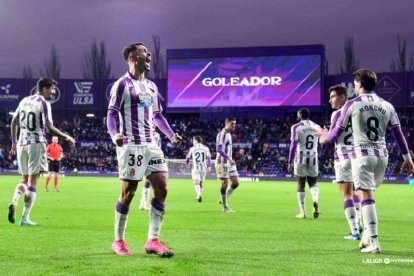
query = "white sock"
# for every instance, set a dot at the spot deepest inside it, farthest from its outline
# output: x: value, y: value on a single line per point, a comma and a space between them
x: 369, y: 214
x: 18, y: 193
x: 229, y: 191
x: 28, y: 205
x: 197, y: 189
x: 145, y: 196
x: 301, y: 201
x: 121, y: 220
x: 358, y: 213
x: 315, y: 193
x: 350, y: 214
x: 156, y: 216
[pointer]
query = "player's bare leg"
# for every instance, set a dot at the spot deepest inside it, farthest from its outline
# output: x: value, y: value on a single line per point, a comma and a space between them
x: 347, y: 192
x: 18, y: 192
x: 233, y: 186
x: 154, y: 245
x: 301, y: 197
x: 223, y: 195
x: 128, y: 189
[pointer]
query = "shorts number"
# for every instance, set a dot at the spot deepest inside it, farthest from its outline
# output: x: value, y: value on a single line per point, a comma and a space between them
x: 225, y: 169
x: 372, y: 125
x: 347, y: 137
x: 309, y: 142
x: 138, y: 160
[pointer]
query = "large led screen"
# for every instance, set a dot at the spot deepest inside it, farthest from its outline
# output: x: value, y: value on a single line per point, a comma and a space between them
x: 250, y: 81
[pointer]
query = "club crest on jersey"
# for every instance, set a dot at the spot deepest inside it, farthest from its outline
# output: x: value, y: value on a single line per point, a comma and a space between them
x: 144, y: 100
x: 131, y: 172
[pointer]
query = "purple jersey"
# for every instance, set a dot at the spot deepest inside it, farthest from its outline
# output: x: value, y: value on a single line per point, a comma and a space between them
x: 136, y: 102
x: 34, y: 114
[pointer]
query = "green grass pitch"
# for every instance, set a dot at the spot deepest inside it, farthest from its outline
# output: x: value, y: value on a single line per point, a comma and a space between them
x: 262, y: 238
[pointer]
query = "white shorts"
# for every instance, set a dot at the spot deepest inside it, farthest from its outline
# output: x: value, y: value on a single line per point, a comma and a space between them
x: 226, y: 171
x: 303, y: 170
x: 135, y: 161
x: 343, y: 171
x: 32, y: 159
x: 368, y: 171
x: 198, y: 175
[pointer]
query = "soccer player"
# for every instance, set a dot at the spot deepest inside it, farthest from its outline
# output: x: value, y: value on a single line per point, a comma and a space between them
x: 54, y: 155
x: 370, y: 116
x: 338, y: 96
x: 145, y: 193
x: 201, y: 158
x: 33, y: 116
x: 303, y: 160
x: 225, y: 165
x: 135, y: 102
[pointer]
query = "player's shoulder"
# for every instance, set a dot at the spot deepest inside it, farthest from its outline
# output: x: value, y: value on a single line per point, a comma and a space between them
x: 335, y: 113
x: 120, y: 83
x: 295, y: 126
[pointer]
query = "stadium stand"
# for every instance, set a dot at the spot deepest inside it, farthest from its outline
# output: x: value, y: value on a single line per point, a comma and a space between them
x: 260, y: 145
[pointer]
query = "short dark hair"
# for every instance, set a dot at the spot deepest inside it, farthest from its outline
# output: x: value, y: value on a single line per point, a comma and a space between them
x: 130, y: 49
x: 45, y: 82
x: 230, y: 119
x: 339, y: 90
x: 367, y: 78
x: 198, y: 138
x: 304, y: 113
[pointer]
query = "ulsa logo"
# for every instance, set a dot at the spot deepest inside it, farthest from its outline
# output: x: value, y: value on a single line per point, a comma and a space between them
x: 83, y: 86
x: 83, y: 97
x: 53, y: 99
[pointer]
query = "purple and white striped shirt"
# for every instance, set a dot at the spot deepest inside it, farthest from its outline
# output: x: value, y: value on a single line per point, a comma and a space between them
x: 370, y: 116
x: 304, y: 143
x: 34, y: 113
x: 201, y: 157
x: 343, y: 144
x: 224, y: 144
x: 136, y: 103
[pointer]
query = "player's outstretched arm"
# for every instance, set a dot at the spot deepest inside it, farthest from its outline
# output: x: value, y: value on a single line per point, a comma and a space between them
x: 13, y: 129
x: 162, y: 124
x: 55, y: 131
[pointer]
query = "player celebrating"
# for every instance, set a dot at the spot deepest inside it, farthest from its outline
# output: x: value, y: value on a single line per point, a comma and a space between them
x: 370, y: 116
x: 134, y: 100
x: 201, y: 158
x: 338, y: 96
x: 225, y: 165
x: 303, y: 160
x: 145, y: 193
x: 33, y: 116
x: 54, y: 155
